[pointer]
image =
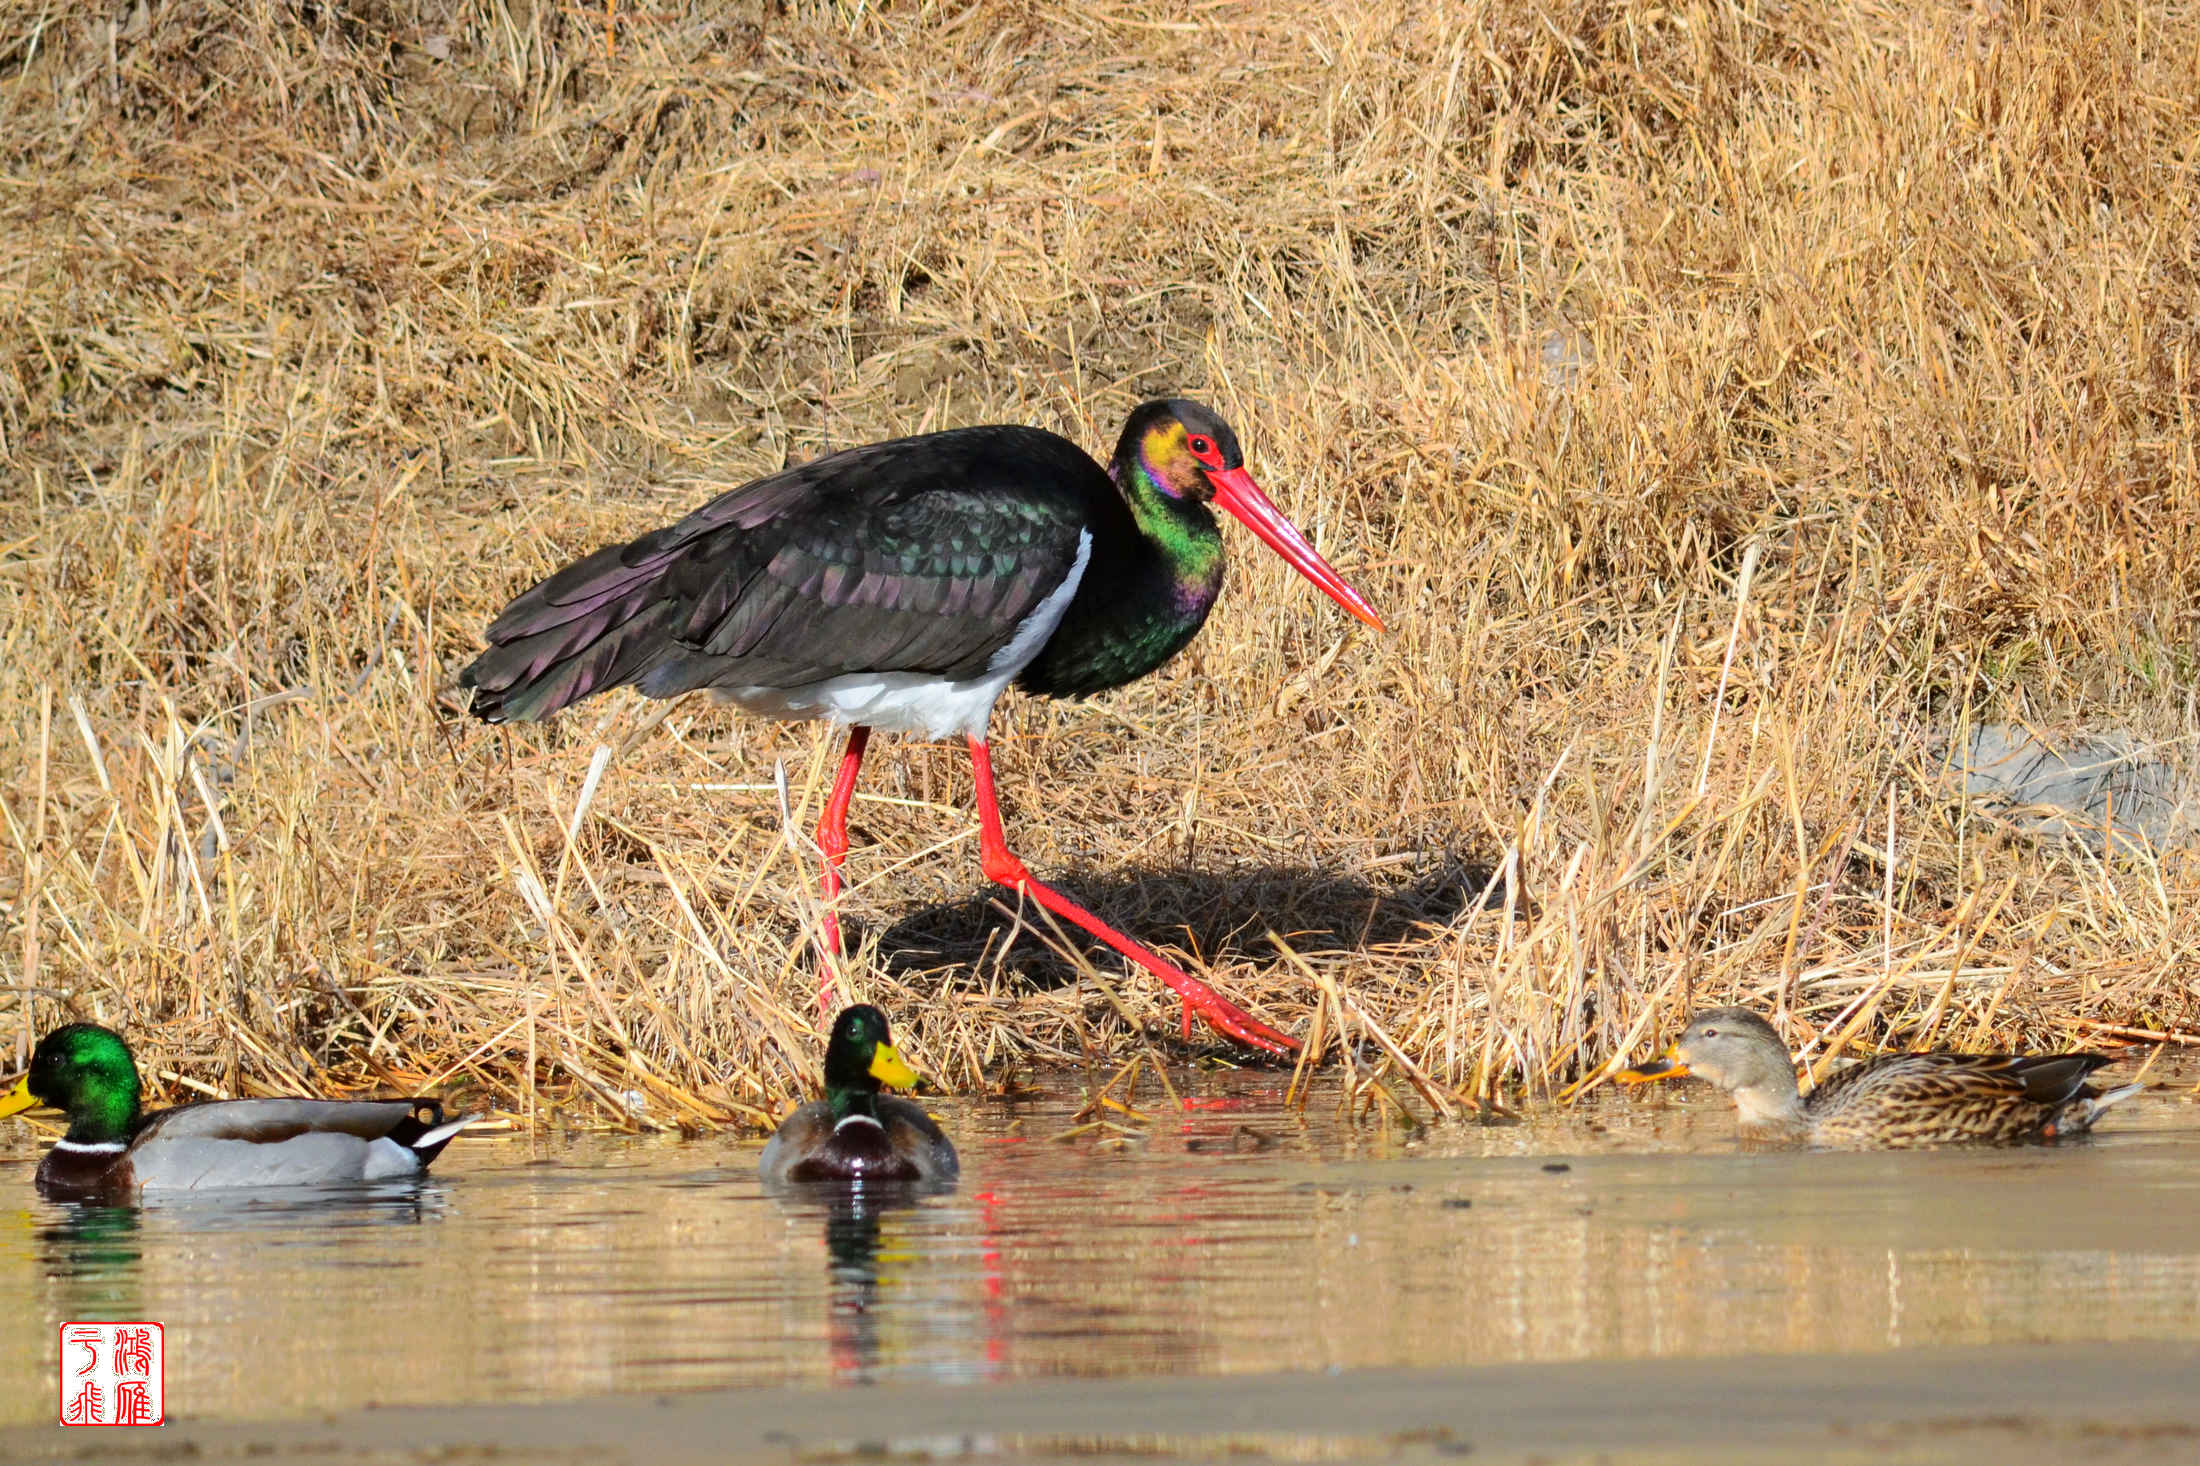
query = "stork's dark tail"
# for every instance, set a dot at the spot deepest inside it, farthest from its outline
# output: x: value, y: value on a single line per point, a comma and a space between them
x: 598, y: 623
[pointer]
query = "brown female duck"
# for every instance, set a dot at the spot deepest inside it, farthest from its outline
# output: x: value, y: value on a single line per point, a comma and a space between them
x: 1893, y: 1100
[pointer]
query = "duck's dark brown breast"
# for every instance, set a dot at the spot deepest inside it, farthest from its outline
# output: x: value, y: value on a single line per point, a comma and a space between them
x: 855, y: 1152
x: 68, y: 1174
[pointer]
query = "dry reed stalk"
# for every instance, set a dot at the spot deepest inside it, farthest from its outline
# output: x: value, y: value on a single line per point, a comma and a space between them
x: 1728, y: 406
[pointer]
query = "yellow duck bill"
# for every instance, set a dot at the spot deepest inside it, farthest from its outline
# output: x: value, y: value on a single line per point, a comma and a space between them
x: 20, y: 1099
x: 889, y: 1068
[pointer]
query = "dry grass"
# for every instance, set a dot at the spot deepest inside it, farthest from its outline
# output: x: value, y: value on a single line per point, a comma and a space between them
x: 1723, y: 402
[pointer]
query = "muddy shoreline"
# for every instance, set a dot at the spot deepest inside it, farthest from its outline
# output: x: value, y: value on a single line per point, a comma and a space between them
x: 2122, y: 1402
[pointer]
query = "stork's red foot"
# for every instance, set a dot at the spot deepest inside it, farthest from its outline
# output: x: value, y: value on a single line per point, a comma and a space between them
x: 1221, y: 1014
x: 1001, y: 865
x: 1225, y: 1016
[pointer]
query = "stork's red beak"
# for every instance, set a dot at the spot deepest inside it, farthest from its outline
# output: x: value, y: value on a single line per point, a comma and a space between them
x: 1236, y: 492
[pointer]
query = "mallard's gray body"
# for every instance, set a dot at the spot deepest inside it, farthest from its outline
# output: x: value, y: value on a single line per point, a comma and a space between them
x: 287, y: 1142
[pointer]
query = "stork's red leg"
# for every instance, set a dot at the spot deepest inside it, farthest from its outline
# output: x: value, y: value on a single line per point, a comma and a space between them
x: 1002, y: 866
x: 832, y: 838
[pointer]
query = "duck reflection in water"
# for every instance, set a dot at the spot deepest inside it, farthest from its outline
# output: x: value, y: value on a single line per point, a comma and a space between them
x: 874, y: 1231
x: 90, y: 1255
x: 91, y: 1252
x: 852, y: 1265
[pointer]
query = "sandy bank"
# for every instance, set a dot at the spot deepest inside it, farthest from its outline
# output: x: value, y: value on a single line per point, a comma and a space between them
x: 2121, y: 1403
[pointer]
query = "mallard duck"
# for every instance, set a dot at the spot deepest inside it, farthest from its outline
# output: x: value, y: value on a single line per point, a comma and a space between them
x: 1893, y: 1100
x: 855, y: 1133
x: 113, y: 1148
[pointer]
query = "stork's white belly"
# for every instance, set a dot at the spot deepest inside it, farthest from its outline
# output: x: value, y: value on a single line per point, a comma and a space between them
x: 913, y: 702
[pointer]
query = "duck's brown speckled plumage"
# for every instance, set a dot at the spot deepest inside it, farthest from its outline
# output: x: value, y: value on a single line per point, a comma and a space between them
x: 1893, y: 1100
x: 1936, y: 1099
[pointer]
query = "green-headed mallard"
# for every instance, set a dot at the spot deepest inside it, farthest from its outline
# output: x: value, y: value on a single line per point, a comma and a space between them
x: 855, y: 1133
x: 1895, y: 1099
x: 113, y: 1148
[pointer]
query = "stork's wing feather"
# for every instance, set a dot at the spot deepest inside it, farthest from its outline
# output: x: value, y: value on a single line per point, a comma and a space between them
x: 920, y: 555
x: 934, y: 584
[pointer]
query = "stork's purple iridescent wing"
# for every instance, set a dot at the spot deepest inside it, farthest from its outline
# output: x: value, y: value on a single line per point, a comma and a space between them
x: 922, y: 556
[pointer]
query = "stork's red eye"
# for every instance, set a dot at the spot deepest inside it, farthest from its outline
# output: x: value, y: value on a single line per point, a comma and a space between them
x: 1203, y: 449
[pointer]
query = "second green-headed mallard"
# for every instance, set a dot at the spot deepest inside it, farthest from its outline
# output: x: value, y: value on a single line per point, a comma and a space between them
x: 1892, y: 1100
x: 113, y: 1149
x: 856, y: 1133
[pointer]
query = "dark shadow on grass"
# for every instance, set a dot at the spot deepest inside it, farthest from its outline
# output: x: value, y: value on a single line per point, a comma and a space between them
x: 1221, y: 915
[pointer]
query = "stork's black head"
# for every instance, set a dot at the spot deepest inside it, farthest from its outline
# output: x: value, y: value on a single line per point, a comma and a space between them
x: 1174, y: 444
x: 1176, y: 453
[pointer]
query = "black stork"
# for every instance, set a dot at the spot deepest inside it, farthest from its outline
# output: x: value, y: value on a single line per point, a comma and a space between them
x: 904, y: 586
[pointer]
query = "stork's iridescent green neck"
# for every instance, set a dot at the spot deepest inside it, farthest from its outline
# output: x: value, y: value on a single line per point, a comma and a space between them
x: 1150, y: 583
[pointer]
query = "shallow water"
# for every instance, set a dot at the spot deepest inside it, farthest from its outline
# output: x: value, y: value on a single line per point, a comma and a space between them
x: 1236, y: 1237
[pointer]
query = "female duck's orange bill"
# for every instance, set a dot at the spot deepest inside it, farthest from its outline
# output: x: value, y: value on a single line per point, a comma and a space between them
x: 1664, y: 1066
